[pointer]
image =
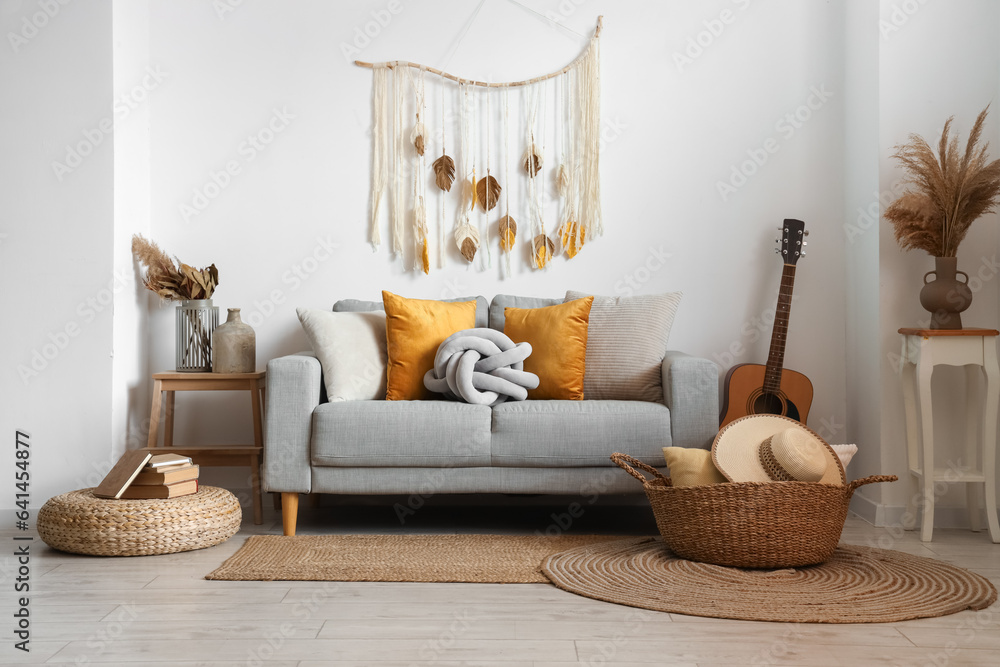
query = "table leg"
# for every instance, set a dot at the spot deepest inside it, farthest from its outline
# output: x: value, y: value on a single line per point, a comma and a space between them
x: 289, y: 512
x: 925, y: 369
x: 258, y: 441
x: 972, y: 440
x: 909, y: 381
x: 168, y: 422
x: 990, y: 434
x: 154, y: 414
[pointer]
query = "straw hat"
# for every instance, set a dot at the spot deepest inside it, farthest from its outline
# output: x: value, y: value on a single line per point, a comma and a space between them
x: 771, y: 448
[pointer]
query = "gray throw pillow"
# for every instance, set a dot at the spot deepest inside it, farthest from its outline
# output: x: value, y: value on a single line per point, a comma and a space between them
x: 351, y: 349
x: 626, y: 343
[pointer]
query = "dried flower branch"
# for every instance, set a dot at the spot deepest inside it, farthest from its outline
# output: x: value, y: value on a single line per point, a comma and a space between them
x: 170, y: 281
x: 950, y: 192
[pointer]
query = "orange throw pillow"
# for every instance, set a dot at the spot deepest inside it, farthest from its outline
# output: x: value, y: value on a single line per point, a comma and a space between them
x: 558, y: 338
x: 413, y: 331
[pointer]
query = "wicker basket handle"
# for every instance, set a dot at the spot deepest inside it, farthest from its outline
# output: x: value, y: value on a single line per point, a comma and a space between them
x: 871, y: 479
x: 623, y: 461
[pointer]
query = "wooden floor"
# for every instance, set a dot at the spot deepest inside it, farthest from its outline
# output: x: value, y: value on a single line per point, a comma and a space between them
x: 159, y: 610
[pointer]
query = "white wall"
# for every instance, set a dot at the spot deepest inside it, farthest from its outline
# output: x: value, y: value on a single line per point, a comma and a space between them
x: 56, y: 267
x: 861, y: 238
x: 673, y: 133
x: 941, y: 60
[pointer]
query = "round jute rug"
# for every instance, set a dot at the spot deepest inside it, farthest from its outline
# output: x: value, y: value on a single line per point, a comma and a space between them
x: 857, y: 585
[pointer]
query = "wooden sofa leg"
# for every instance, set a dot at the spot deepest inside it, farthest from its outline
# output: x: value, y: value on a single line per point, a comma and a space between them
x: 289, y: 512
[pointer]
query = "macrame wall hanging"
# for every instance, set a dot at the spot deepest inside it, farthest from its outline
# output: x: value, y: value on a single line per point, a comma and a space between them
x: 561, y: 108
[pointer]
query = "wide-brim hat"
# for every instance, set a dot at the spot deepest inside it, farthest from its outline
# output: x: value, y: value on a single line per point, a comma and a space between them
x: 770, y: 448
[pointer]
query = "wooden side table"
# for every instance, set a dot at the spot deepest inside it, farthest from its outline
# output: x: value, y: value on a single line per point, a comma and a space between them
x: 975, y: 350
x: 211, y: 455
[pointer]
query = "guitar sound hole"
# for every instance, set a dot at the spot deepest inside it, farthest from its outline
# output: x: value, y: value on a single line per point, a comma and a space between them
x: 771, y: 404
x: 768, y: 404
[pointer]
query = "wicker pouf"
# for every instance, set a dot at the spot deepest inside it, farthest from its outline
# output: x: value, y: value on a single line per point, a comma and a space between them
x: 79, y: 522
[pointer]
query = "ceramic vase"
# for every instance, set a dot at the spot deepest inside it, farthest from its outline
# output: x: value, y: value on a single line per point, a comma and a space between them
x: 946, y: 296
x: 234, y: 346
x: 196, y: 321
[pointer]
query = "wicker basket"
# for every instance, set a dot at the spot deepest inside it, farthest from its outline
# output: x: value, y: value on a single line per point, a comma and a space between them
x: 752, y: 525
x: 81, y: 523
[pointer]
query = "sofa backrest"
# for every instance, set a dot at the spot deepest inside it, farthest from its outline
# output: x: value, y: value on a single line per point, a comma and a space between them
x: 501, y: 301
x: 360, y: 306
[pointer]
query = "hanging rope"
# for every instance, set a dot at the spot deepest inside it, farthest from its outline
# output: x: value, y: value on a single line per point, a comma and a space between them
x: 380, y: 175
x: 485, y: 84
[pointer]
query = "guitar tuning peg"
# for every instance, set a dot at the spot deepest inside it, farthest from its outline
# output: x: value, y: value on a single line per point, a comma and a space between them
x: 805, y: 243
x: 777, y: 251
x: 777, y: 240
x: 802, y: 254
x: 807, y: 232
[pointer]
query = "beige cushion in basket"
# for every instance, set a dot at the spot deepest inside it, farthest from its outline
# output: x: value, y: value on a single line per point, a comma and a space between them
x: 691, y: 467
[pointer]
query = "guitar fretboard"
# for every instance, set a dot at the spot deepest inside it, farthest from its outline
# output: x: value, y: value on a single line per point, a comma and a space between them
x: 776, y: 354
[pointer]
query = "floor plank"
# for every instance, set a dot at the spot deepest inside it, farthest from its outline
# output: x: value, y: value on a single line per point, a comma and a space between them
x: 115, y: 611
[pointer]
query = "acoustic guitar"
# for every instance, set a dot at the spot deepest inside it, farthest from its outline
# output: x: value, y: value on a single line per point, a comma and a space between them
x: 753, y: 389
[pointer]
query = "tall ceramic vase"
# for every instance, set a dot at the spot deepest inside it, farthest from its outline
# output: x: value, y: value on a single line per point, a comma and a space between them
x: 234, y: 346
x: 196, y: 321
x: 946, y: 296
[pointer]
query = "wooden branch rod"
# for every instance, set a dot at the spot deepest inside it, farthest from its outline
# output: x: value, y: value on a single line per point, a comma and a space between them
x: 512, y: 84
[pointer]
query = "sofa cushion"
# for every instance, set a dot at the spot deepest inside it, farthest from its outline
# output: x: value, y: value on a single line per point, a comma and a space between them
x: 558, y: 338
x: 401, y: 434
x: 360, y: 306
x: 626, y: 343
x: 552, y: 434
x: 351, y: 349
x: 414, y: 328
x: 501, y: 301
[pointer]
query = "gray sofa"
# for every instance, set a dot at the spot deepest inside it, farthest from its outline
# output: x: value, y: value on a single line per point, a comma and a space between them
x: 424, y: 448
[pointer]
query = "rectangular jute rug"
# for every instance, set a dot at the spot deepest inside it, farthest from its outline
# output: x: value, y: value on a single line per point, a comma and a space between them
x: 488, y: 559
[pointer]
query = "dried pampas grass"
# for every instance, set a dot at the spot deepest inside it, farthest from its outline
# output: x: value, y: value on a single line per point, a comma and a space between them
x: 170, y: 281
x: 950, y: 191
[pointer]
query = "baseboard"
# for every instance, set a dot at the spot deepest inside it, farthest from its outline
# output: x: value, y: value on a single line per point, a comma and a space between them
x: 886, y: 516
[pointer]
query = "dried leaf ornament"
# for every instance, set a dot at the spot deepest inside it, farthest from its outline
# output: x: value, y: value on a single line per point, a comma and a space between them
x: 444, y: 172
x: 532, y: 161
x: 508, y: 233
x: 417, y: 137
x: 573, y: 236
x: 562, y: 180
x: 467, y: 238
x: 544, y: 247
x: 488, y: 192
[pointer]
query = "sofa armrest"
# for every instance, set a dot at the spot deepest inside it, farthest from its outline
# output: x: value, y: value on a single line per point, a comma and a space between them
x: 691, y: 392
x: 293, y: 392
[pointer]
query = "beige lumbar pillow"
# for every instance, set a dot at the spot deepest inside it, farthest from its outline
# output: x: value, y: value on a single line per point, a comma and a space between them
x: 692, y: 467
x: 351, y: 348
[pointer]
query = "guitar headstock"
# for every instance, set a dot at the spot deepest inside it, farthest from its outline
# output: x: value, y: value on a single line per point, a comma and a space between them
x: 792, y: 243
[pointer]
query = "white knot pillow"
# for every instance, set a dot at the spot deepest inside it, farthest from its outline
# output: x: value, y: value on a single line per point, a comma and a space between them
x: 481, y: 366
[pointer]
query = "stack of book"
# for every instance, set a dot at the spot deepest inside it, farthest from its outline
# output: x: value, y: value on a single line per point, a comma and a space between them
x: 139, y: 475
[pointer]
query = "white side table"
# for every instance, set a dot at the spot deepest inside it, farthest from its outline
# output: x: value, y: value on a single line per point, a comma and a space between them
x: 975, y: 350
